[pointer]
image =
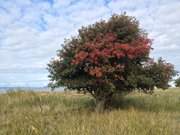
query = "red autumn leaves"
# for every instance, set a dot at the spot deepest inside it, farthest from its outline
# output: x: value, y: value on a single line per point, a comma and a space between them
x: 98, y: 52
x: 96, y: 71
x: 80, y: 57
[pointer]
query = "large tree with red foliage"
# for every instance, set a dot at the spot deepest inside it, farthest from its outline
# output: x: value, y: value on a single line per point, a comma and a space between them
x: 109, y: 57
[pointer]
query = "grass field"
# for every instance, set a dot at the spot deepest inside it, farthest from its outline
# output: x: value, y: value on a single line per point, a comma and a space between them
x: 43, y: 113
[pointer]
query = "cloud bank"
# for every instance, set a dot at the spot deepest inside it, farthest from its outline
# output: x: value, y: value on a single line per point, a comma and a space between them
x: 32, y: 30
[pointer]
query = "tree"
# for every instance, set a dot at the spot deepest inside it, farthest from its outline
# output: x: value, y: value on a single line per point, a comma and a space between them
x: 106, y: 58
x: 161, y: 72
x: 177, y: 82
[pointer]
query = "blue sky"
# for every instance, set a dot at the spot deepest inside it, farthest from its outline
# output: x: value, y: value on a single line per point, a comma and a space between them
x: 32, y: 30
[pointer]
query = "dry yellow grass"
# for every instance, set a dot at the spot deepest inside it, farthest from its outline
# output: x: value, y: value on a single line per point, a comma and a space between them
x: 37, y: 113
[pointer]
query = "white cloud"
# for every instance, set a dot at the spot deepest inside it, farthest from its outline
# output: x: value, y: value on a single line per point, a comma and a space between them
x: 32, y: 30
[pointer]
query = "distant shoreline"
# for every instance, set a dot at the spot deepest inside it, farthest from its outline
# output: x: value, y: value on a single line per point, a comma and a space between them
x: 5, y: 89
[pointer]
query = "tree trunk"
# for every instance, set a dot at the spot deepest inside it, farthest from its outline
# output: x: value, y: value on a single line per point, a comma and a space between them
x: 102, y: 104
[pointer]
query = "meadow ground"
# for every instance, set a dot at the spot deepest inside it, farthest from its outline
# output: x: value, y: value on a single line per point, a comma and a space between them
x: 52, y: 113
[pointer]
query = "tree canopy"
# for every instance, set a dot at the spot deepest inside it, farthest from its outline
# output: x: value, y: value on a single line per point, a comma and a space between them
x: 109, y: 57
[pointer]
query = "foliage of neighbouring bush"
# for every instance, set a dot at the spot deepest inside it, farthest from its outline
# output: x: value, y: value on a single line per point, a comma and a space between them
x: 109, y: 57
x: 177, y: 82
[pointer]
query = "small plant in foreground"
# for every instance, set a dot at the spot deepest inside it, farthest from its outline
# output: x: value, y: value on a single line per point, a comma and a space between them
x: 177, y: 82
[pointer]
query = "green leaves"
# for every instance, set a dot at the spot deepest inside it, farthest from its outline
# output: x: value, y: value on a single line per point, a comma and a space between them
x: 177, y: 82
x: 108, y: 57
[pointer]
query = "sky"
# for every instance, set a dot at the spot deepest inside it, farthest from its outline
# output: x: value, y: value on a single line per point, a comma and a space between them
x: 32, y: 30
